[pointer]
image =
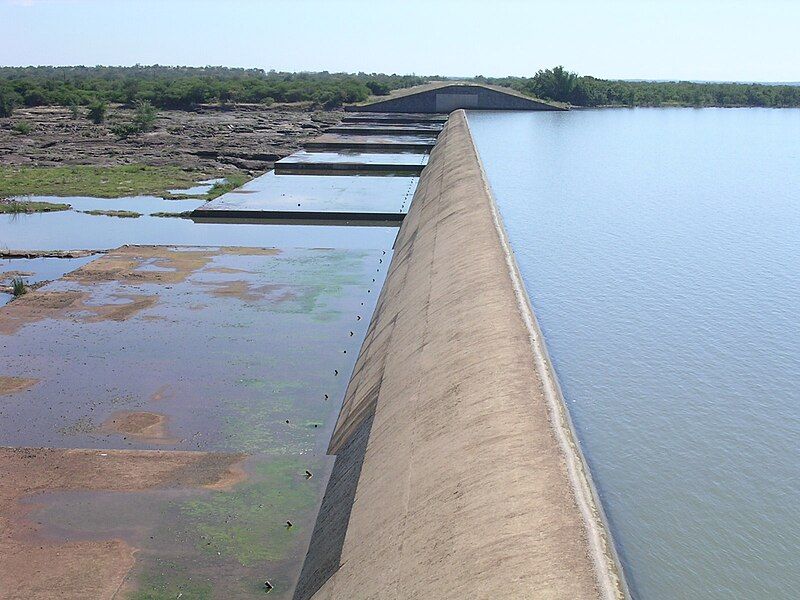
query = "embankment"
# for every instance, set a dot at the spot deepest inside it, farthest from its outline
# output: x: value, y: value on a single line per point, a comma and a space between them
x: 457, y: 471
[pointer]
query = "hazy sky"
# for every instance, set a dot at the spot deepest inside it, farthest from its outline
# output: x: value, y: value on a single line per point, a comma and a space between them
x: 754, y: 40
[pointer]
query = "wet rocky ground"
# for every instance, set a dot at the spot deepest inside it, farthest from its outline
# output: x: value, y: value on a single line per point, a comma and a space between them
x: 212, y: 138
x: 165, y: 416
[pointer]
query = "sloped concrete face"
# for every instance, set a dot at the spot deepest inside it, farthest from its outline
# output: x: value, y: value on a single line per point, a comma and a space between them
x: 445, y: 98
x: 467, y: 485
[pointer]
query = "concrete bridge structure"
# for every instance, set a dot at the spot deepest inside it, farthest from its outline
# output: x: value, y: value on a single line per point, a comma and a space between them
x: 445, y: 97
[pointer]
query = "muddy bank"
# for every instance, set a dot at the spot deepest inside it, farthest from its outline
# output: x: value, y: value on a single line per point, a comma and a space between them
x: 248, y: 138
x: 470, y: 482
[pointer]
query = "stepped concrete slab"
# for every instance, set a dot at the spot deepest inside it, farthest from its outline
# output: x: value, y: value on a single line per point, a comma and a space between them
x: 460, y: 474
x: 314, y: 197
x: 372, y: 143
x: 349, y: 163
x: 388, y: 129
x: 378, y: 117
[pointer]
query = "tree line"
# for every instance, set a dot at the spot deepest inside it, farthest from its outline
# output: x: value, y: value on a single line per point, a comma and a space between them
x: 565, y: 86
x: 186, y: 87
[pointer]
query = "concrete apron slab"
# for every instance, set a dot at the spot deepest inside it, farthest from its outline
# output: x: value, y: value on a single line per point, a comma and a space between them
x: 349, y: 163
x: 159, y: 409
x: 318, y: 198
x: 463, y: 474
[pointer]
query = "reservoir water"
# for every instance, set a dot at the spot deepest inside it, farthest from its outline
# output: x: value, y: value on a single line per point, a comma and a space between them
x: 661, y: 252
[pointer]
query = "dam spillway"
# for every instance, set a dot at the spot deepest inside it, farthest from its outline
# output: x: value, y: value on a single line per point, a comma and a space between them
x: 457, y: 472
x: 453, y: 470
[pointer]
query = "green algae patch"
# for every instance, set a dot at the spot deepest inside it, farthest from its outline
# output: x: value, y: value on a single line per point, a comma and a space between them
x: 250, y: 524
x: 334, y: 267
x: 172, y: 582
x: 272, y: 424
x: 107, y: 182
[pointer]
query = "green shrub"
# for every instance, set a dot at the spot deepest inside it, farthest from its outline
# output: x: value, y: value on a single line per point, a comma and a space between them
x: 18, y: 286
x: 7, y: 105
x: 97, y: 112
x: 145, y: 115
x: 125, y: 130
x: 378, y: 88
x: 22, y: 128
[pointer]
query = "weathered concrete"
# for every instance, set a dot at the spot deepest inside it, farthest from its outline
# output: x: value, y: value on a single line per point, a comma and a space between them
x: 389, y: 129
x: 447, y: 96
x: 396, y: 119
x: 325, y: 550
x: 472, y: 483
x: 372, y: 143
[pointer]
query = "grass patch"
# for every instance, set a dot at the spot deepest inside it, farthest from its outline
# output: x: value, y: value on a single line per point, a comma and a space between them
x: 22, y: 206
x: 18, y: 287
x: 21, y: 128
x: 232, y: 181
x: 123, y: 214
x: 106, y: 182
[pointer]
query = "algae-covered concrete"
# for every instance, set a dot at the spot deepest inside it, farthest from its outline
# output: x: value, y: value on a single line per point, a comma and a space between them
x: 466, y: 479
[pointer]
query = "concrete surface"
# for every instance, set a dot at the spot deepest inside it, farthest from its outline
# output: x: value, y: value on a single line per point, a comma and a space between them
x: 371, y: 143
x: 398, y: 119
x: 350, y: 163
x: 388, y: 129
x: 313, y: 197
x: 471, y: 484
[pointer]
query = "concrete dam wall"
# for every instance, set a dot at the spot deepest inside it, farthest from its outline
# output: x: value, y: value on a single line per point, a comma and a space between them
x: 457, y: 472
x: 443, y: 97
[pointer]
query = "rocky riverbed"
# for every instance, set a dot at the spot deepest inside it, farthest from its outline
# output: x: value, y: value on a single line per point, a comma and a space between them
x: 244, y: 137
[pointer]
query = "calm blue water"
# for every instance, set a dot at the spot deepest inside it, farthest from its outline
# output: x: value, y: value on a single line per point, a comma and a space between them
x: 661, y: 252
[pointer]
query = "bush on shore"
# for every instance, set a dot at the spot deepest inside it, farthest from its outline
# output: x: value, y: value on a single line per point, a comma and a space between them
x: 583, y: 90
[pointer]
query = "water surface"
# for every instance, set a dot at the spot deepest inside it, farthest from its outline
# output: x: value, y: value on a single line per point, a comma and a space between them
x: 661, y: 252
x: 71, y: 230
